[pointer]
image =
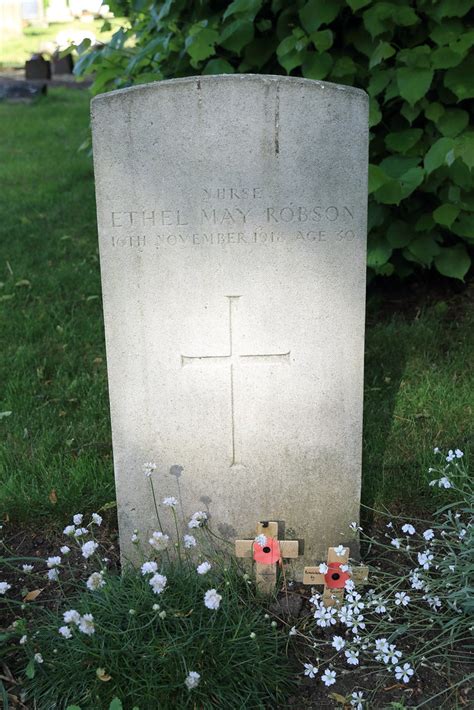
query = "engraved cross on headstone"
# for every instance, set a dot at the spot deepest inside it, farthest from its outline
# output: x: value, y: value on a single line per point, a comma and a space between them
x: 235, y: 360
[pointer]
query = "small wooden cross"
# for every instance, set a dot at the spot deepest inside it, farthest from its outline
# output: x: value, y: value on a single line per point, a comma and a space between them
x: 335, y: 595
x: 266, y: 574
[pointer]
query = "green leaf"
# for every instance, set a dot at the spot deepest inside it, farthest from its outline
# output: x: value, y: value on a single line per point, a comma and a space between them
x: 357, y: 4
x: 450, y: 8
x: 73, y: 707
x: 245, y: 7
x: 401, y: 141
x: 322, y: 40
x: 116, y: 704
x: 410, y: 180
x: 30, y: 669
x: 375, y: 114
x: 318, y: 12
x: 448, y: 32
x: 288, y: 56
x: 460, y: 80
x: 446, y: 214
x: 453, y: 121
x: 453, y: 262
x: 377, y: 178
x: 413, y: 83
x: 378, y: 81
x: 384, y: 15
x: 445, y: 58
x: 390, y: 193
x: 434, y: 111
x: 344, y: 67
x: 236, y: 35
x: 379, y: 250
x: 218, y: 66
x: 317, y: 66
x: 397, y: 165
x: 200, y: 46
x: 465, y: 149
x: 383, y: 51
x: 425, y: 223
x: 409, y: 112
x: 423, y: 249
x: 415, y: 58
x: 399, y: 234
x: 437, y: 154
x: 464, y: 226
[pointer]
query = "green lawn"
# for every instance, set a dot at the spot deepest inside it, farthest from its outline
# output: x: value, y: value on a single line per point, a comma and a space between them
x: 419, y: 374
x: 14, y: 51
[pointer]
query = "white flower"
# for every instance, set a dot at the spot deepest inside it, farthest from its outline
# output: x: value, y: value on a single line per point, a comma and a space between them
x: 450, y: 456
x: 69, y: 530
x: 428, y: 534
x: 80, y: 532
x: 424, y: 559
x: 39, y: 658
x: 346, y: 568
x: 170, y: 502
x: 392, y: 655
x: 77, y: 519
x: 23, y: 640
x: 404, y: 673
x: 292, y: 631
x: 252, y: 635
x: 401, y: 599
x: 395, y: 542
x: 189, y: 541
x: 261, y: 540
x: 349, y: 585
x: 192, y: 680
x: 352, y: 657
x: 381, y: 645
x: 64, y: 550
x: 203, y: 568
x: 88, y: 548
x: 156, y: 607
x: 323, y: 568
x: 96, y: 519
x: 340, y: 550
x: 72, y: 617
x: 53, y: 562
x: 345, y: 615
x: 310, y: 670
x: 409, y: 529
x: 27, y: 568
x: 158, y: 583
x: 53, y: 575
x: 328, y: 677
x: 86, y: 624
x: 149, y: 567
x: 355, y: 527
x: 355, y: 623
x: 434, y: 602
x: 4, y: 587
x: 436, y: 450
x: 95, y: 581
x: 357, y: 700
x: 458, y: 453
x: 212, y: 599
x: 65, y: 631
x: 462, y: 534
x: 338, y: 643
x: 159, y: 541
x: 444, y: 482
x: 197, y: 519
x: 162, y: 614
x: 325, y: 616
x: 134, y: 538
x: 148, y: 468
x: 416, y: 582
x: 380, y: 608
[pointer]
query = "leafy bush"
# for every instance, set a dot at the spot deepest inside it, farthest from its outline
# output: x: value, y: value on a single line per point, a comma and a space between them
x: 411, y: 57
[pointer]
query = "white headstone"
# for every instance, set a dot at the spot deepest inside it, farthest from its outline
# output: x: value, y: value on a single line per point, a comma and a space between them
x: 232, y: 228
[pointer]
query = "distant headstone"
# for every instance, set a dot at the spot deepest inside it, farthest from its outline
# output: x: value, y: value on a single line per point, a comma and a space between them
x: 62, y: 65
x: 37, y: 68
x: 11, y: 23
x: 232, y: 229
x: 58, y: 11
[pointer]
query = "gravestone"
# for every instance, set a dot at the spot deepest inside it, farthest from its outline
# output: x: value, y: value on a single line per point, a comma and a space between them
x: 37, y: 68
x: 232, y: 229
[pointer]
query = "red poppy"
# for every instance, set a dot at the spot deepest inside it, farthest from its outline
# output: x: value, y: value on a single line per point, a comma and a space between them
x: 334, y: 577
x: 269, y: 553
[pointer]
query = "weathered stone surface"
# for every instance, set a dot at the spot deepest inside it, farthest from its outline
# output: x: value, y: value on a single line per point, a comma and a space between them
x: 232, y: 229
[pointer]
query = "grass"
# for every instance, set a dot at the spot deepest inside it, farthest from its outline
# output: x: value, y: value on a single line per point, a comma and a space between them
x: 56, y: 454
x: 14, y: 51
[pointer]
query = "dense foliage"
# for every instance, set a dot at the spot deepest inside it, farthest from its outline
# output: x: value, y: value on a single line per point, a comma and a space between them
x: 413, y: 59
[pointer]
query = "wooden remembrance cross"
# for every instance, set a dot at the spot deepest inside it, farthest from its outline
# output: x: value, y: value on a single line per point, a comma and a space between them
x: 234, y: 360
x: 334, y: 579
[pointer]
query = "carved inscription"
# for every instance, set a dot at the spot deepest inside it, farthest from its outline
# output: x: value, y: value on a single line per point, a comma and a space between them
x: 231, y: 216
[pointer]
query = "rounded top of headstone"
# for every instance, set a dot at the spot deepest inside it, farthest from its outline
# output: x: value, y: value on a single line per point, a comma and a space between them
x: 263, y: 79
